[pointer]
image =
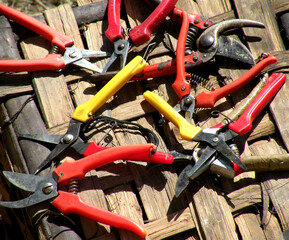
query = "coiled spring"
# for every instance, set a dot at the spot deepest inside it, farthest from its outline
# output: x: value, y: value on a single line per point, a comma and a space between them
x: 193, y: 34
x: 73, y: 186
x: 203, y: 82
x: 55, y: 49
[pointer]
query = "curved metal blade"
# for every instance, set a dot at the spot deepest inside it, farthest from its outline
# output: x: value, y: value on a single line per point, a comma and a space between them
x: 44, y: 138
x: 234, y: 50
x: 23, y: 181
x: 191, y: 172
x: 46, y: 189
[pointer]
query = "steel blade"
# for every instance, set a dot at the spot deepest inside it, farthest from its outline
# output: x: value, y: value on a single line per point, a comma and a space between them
x: 191, y: 172
x: 23, y: 181
x: 44, y: 138
x: 232, y: 49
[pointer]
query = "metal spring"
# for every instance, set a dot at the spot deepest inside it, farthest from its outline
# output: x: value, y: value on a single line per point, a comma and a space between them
x: 73, y: 186
x: 235, y: 149
x: 199, y: 80
x: 192, y: 37
x: 55, y: 49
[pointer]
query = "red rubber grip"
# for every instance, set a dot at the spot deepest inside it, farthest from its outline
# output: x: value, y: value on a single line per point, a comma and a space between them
x: 208, y: 99
x: 244, y: 124
x: 69, y: 203
x: 62, y: 41
x: 157, y: 157
x: 141, y: 34
x: 50, y: 62
x: 78, y: 169
x: 181, y: 85
x: 114, y: 30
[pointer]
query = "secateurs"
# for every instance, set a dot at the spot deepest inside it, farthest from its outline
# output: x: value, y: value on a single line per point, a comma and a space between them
x: 46, y: 188
x: 212, y: 141
x: 84, y: 112
x: 138, y: 35
x: 63, y: 50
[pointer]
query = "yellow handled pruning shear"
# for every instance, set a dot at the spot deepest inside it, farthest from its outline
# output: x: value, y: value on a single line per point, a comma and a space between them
x: 84, y: 112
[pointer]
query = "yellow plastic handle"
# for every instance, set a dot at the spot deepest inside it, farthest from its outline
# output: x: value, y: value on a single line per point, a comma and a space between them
x: 187, y: 130
x: 84, y: 111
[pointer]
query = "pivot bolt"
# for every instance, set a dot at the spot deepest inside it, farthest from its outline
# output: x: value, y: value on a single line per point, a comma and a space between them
x: 48, y: 188
x: 67, y: 138
x: 215, y: 139
x: 73, y: 54
x: 206, y: 41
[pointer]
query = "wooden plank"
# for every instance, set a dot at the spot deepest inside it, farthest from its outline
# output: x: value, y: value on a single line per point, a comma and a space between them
x: 170, y: 225
x: 271, y: 41
x: 56, y: 109
x: 249, y: 226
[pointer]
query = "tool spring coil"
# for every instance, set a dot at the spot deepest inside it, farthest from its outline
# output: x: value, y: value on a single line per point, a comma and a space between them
x: 235, y: 149
x: 192, y: 37
x: 73, y: 186
x: 55, y: 49
x: 199, y: 80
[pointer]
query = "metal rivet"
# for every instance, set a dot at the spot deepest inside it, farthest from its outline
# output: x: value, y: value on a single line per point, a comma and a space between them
x: 73, y: 54
x: 215, y: 139
x: 48, y: 188
x: 183, y: 88
x: 67, y: 138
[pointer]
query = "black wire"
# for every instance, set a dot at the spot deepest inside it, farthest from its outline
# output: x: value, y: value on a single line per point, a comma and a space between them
x: 151, y: 136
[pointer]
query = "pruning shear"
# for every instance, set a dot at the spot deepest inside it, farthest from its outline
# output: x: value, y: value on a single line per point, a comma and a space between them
x: 138, y: 35
x: 63, y: 51
x: 83, y: 113
x: 207, y: 40
x: 213, y: 141
x: 46, y: 188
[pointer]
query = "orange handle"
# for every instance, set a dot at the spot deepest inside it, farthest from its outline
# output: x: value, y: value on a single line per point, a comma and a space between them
x: 69, y: 203
x: 208, y: 99
x: 78, y: 169
x: 50, y: 62
x: 181, y: 85
x: 37, y: 26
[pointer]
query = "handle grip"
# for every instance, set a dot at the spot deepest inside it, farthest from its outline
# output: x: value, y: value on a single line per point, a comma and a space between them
x: 181, y: 86
x: 69, y: 203
x: 208, y: 99
x: 50, y: 62
x: 187, y: 130
x: 78, y: 169
x: 114, y: 30
x: 141, y: 33
x: 56, y: 38
x: 157, y: 157
x: 84, y: 111
x: 244, y: 123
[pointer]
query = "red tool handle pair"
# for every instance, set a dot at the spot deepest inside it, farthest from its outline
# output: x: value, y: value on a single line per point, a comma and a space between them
x: 62, y: 41
x: 141, y: 33
x: 157, y: 157
x: 69, y: 203
x: 78, y: 169
x: 244, y: 124
x: 208, y: 99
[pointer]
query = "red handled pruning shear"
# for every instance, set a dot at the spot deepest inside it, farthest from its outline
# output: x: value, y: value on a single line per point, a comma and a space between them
x: 46, y: 188
x: 64, y: 52
x: 203, y: 44
x: 214, y: 141
x: 138, y: 35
